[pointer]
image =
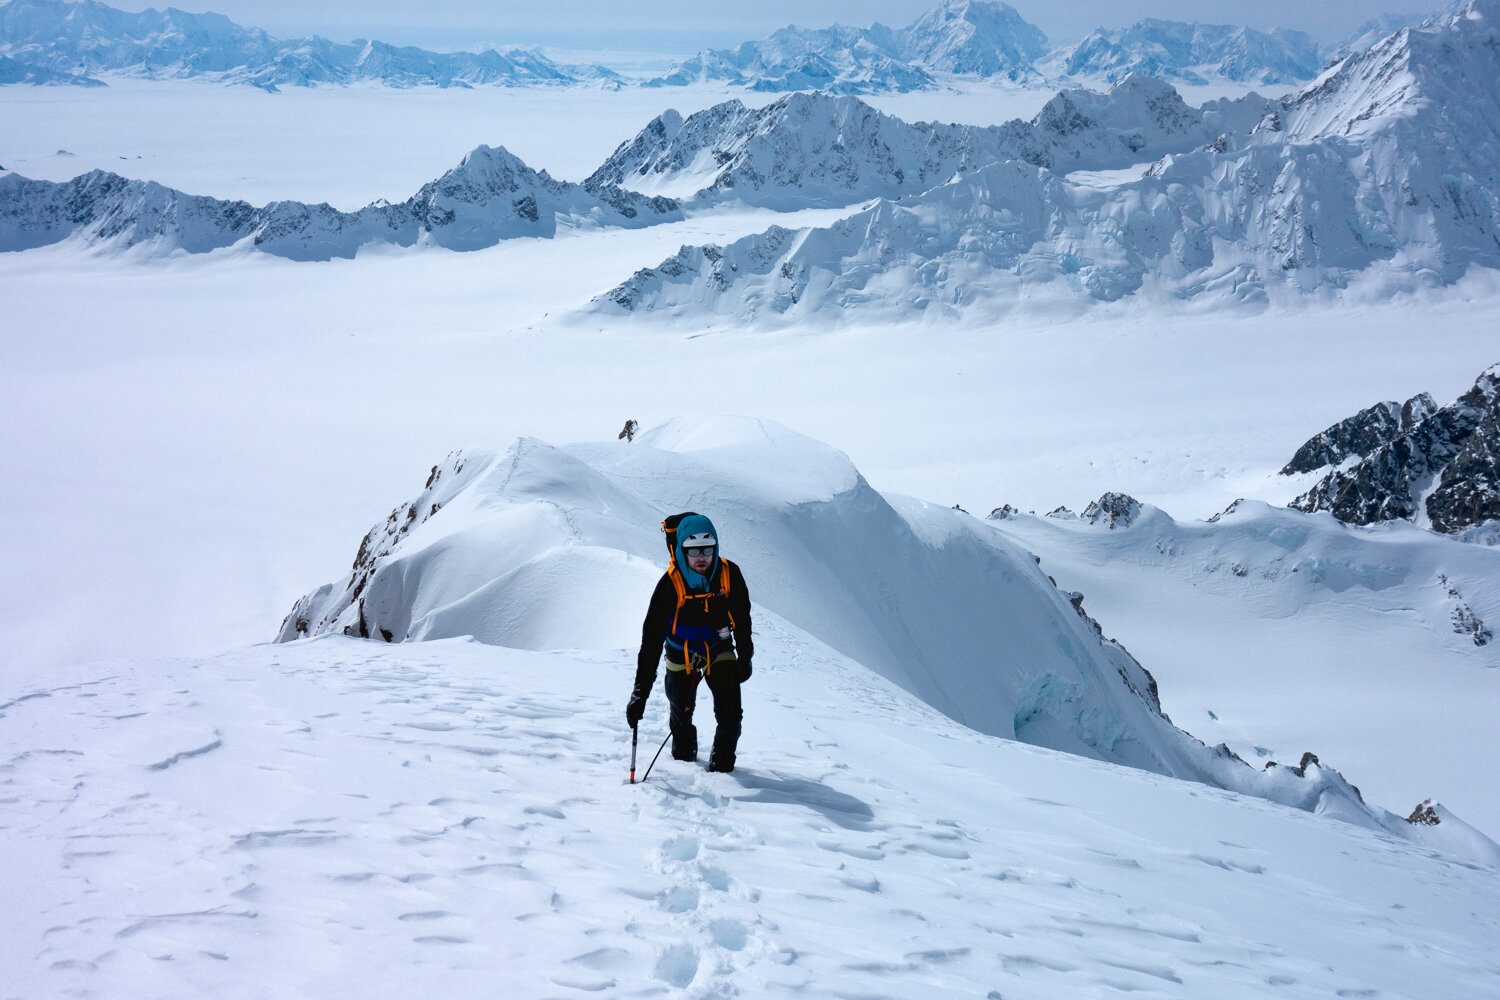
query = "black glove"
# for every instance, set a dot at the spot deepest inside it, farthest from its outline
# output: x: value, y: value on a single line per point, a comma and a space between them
x: 744, y: 670
x: 635, y: 709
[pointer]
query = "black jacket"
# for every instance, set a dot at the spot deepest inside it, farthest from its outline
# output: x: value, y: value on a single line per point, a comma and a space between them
x: 664, y: 606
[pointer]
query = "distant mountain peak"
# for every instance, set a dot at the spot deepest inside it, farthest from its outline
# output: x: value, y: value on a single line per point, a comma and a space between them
x: 80, y: 40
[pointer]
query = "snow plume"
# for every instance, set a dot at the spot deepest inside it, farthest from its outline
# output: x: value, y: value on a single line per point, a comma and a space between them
x: 490, y: 196
x: 546, y: 548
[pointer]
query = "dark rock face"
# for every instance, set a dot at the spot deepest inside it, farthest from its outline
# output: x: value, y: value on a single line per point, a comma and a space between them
x: 1468, y: 492
x: 1114, y: 510
x: 1360, y: 434
x: 1457, y: 447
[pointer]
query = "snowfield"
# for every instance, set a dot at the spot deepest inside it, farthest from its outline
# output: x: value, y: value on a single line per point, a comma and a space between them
x: 343, y: 818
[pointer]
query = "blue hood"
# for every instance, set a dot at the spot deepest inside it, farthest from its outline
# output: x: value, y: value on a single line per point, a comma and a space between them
x: 695, y: 524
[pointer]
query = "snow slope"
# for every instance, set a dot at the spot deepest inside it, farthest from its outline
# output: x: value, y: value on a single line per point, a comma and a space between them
x: 341, y: 818
x: 506, y: 548
x: 490, y: 196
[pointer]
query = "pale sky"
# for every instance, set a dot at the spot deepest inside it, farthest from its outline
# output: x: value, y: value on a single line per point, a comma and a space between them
x: 680, y: 27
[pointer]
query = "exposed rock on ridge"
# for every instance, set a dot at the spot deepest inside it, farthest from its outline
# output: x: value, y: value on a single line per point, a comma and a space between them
x: 1444, y: 466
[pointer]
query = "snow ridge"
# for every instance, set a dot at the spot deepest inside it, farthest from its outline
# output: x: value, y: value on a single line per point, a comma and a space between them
x: 490, y: 196
x: 72, y: 41
x: 505, y: 548
x: 819, y: 150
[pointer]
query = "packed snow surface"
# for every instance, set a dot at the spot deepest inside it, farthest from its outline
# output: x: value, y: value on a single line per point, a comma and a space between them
x: 344, y: 818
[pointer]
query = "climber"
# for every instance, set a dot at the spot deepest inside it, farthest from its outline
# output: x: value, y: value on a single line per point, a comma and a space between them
x: 699, y: 618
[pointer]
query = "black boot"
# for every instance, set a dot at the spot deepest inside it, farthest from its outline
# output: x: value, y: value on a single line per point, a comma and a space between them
x: 720, y: 761
x: 685, y: 748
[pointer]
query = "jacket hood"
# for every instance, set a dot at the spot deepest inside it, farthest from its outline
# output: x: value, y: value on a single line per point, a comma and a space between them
x: 695, y: 524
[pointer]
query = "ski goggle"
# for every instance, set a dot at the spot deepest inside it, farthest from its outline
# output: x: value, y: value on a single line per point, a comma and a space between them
x: 699, y: 552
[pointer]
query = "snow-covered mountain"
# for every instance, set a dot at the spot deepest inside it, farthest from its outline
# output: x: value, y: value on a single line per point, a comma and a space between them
x: 804, y: 149
x: 77, y: 38
x: 1194, y: 53
x: 490, y: 196
x: 976, y: 38
x: 981, y: 38
x: 835, y: 60
x: 813, y: 149
x: 21, y: 71
x: 1438, y: 466
x: 504, y: 548
x: 1390, y: 160
x: 1378, y: 28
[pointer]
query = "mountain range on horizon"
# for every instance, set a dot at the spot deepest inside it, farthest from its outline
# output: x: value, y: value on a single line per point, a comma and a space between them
x: 1385, y: 166
x: 1384, y: 169
x: 77, y: 41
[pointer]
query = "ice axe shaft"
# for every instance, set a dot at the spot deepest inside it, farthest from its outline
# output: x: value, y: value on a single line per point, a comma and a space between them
x: 635, y: 735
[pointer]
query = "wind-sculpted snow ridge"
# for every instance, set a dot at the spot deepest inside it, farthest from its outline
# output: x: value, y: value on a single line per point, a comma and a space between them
x: 544, y: 548
x: 73, y: 40
x: 1391, y: 161
x: 820, y: 150
x: 975, y: 38
x: 1438, y: 466
x: 490, y: 196
x: 1194, y: 53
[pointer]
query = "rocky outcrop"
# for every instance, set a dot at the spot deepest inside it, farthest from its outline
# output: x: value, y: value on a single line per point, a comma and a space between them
x: 1443, y: 468
x: 1113, y: 510
x: 1360, y: 434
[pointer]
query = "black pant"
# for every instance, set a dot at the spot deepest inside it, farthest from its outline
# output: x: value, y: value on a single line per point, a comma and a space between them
x: 682, y: 694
